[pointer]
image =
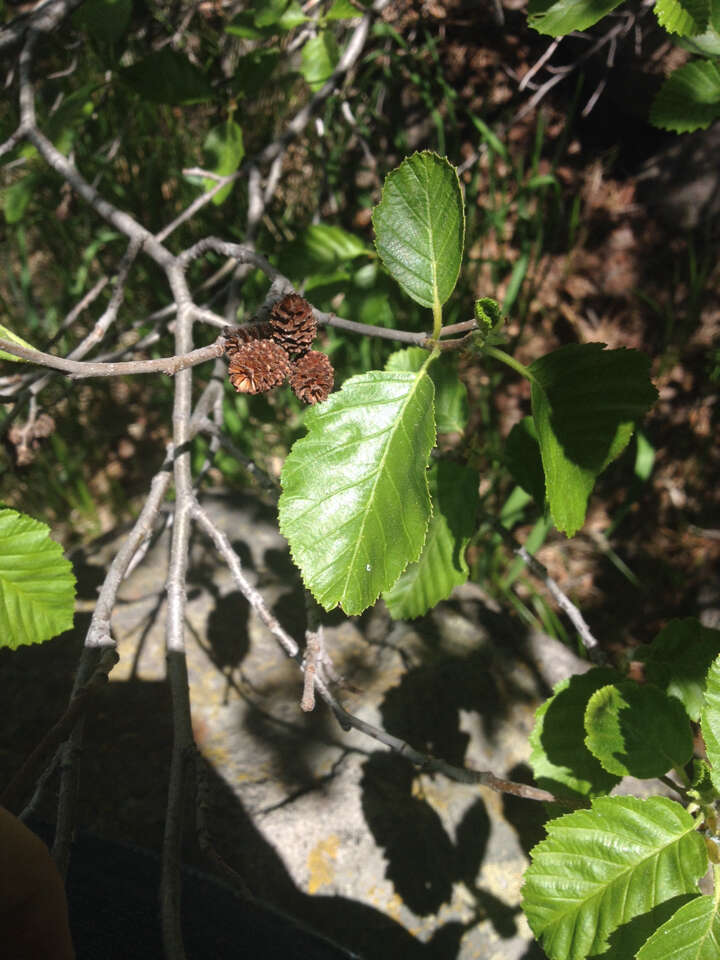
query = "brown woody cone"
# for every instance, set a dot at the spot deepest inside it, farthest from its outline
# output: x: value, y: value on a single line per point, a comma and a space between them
x: 258, y: 366
x: 293, y: 324
x: 235, y: 337
x: 312, y: 376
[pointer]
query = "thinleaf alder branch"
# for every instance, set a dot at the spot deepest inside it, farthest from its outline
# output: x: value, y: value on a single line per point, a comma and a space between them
x: 82, y: 369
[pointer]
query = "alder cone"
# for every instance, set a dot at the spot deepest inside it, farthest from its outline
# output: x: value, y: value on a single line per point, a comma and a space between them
x: 258, y: 366
x: 293, y: 324
x: 235, y: 337
x: 312, y: 377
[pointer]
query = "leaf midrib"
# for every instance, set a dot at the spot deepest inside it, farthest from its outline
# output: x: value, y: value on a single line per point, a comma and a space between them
x: 371, y: 498
x: 629, y: 869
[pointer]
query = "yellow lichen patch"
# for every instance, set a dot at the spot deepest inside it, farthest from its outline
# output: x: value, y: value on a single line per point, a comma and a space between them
x: 320, y: 863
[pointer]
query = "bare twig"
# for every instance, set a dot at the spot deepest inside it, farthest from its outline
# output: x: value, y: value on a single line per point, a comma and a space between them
x: 183, y: 740
x: 590, y: 643
x: 253, y: 596
x: 81, y: 369
x: 426, y: 762
x: 429, y: 764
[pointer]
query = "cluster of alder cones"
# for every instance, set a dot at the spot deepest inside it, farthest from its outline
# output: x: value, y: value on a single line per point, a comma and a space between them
x: 264, y: 355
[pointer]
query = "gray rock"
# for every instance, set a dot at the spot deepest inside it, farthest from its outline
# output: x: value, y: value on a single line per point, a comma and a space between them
x: 323, y: 824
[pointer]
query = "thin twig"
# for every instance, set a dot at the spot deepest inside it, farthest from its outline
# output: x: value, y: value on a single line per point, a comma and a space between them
x: 82, y: 369
x: 253, y: 596
x: 426, y: 762
x: 590, y: 643
x: 175, y: 585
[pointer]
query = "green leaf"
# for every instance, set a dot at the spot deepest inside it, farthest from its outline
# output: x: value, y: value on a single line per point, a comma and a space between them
x: 243, y: 25
x: 710, y: 721
x: 342, y: 10
x: 693, y: 933
x: 522, y: 456
x: 328, y: 246
x: 685, y: 18
x: 678, y: 660
x: 9, y: 335
x: 225, y: 150
x: 451, y: 404
x: 560, y: 760
x: 319, y: 58
x: 18, y: 196
x: 37, y: 586
x: 600, y: 868
x: 167, y: 77
x: 636, y: 730
x: 106, y: 20
x: 62, y: 125
x: 585, y: 402
x: 689, y: 99
x: 321, y: 249
x: 266, y: 13
x: 355, y: 505
x: 420, y: 227
x: 705, y: 44
x: 442, y: 565
x: 558, y: 17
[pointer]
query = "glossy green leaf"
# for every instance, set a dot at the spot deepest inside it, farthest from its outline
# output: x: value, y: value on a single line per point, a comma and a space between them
x: 442, y: 565
x: 106, y: 20
x: 420, y: 227
x: 684, y: 17
x: 693, y: 933
x: 710, y: 720
x: 560, y: 760
x: 355, y: 505
x: 637, y: 730
x: 558, y: 17
x: 224, y: 149
x: 678, y: 660
x: 9, y: 335
x: 522, y: 456
x: 585, y: 401
x: 37, y: 586
x: 689, y: 99
x: 167, y: 77
x: 451, y: 404
x: 602, y: 867
x: 320, y: 56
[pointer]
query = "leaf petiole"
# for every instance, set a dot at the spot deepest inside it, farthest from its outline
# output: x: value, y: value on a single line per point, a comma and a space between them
x: 511, y: 362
